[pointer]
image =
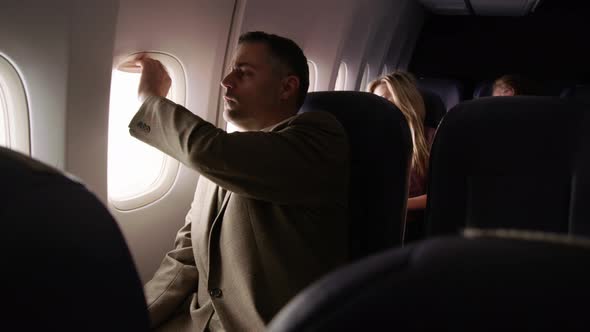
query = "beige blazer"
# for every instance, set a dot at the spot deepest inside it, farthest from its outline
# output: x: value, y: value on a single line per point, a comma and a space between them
x: 268, y: 217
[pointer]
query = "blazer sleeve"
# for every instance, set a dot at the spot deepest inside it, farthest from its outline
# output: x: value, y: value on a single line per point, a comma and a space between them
x: 306, y: 161
x: 174, y: 281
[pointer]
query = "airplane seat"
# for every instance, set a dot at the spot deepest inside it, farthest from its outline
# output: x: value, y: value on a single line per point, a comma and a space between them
x: 66, y: 264
x: 435, y: 108
x: 578, y: 92
x: 452, y: 284
x: 518, y: 162
x: 380, y: 152
x: 483, y: 89
x: 450, y: 91
x: 553, y: 87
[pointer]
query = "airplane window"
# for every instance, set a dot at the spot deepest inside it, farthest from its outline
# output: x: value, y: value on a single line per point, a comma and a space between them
x: 138, y: 174
x: 365, y: 79
x: 341, y: 78
x: 385, y: 70
x: 230, y: 128
x: 14, y: 112
x: 313, y: 71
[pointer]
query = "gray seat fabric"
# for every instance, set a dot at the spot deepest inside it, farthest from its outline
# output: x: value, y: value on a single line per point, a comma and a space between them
x: 450, y: 91
x: 66, y: 266
x: 450, y: 284
x: 483, y: 89
x: 435, y: 108
x: 511, y: 162
x: 578, y: 92
x: 380, y: 151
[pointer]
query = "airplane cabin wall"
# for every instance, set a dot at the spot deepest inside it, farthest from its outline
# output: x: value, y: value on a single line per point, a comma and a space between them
x: 92, y: 31
x: 317, y: 27
x: 332, y: 31
x: 37, y: 44
x: 408, y: 31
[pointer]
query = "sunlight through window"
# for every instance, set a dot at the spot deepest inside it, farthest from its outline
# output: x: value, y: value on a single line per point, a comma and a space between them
x: 341, y: 78
x: 133, y: 165
x: 365, y: 79
x: 138, y: 174
x: 385, y: 71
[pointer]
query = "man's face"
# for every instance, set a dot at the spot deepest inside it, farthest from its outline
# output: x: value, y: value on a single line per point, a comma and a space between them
x: 502, y: 90
x: 252, y: 88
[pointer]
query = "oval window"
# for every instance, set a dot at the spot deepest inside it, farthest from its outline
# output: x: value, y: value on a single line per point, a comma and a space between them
x: 341, y: 78
x: 14, y: 110
x: 138, y: 174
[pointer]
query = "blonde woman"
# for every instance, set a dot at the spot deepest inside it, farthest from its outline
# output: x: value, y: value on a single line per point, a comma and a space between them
x: 400, y: 89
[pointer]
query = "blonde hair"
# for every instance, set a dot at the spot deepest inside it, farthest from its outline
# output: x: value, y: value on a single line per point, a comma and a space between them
x: 405, y: 95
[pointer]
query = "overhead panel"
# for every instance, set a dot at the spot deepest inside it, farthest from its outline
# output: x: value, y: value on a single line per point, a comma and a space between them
x: 503, y: 7
x: 446, y: 7
x: 481, y: 7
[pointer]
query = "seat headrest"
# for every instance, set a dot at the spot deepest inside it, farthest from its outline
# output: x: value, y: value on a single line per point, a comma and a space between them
x: 450, y: 91
x: 483, y: 89
x: 449, y: 284
x: 380, y: 152
x: 70, y: 268
x: 531, y: 87
x: 511, y: 162
x: 435, y: 108
x: 579, y: 92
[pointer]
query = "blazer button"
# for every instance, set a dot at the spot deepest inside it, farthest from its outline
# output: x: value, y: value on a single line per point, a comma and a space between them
x: 215, y: 292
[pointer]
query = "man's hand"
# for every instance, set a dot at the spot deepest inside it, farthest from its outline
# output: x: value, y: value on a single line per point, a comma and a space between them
x: 154, y: 81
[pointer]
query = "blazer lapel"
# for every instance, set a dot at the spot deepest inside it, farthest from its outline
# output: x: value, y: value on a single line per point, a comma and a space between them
x: 214, y: 227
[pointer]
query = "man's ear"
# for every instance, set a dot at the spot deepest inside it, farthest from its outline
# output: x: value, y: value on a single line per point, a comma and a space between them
x: 290, y: 87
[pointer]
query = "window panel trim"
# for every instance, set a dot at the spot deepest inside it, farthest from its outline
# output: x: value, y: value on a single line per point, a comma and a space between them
x: 16, y: 108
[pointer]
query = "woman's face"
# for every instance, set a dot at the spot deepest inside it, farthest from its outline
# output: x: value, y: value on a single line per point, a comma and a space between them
x: 383, y: 91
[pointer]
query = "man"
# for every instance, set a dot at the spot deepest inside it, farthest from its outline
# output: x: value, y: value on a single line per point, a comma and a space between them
x: 269, y: 214
x: 512, y: 85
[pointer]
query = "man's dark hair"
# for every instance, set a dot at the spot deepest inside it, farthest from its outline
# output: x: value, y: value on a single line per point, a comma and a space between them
x: 288, y: 53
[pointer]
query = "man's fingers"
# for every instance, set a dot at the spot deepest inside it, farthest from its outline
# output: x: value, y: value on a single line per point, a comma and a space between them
x: 141, y: 56
x: 144, y: 60
x: 149, y: 64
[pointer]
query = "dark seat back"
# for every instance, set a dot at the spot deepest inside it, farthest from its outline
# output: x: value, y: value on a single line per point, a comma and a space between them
x: 483, y: 89
x: 450, y: 91
x: 511, y: 162
x: 66, y: 266
x: 435, y: 108
x: 450, y: 284
x: 380, y: 151
x: 578, y: 92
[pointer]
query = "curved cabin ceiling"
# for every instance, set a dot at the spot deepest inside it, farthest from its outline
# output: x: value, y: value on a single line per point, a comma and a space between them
x: 481, y: 7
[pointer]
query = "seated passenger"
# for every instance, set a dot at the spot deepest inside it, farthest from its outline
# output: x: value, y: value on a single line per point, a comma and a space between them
x: 400, y: 88
x: 512, y: 85
x: 269, y: 211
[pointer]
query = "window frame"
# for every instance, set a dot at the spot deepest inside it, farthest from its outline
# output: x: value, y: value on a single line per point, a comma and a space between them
x: 313, y: 76
x: 15, y: 107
